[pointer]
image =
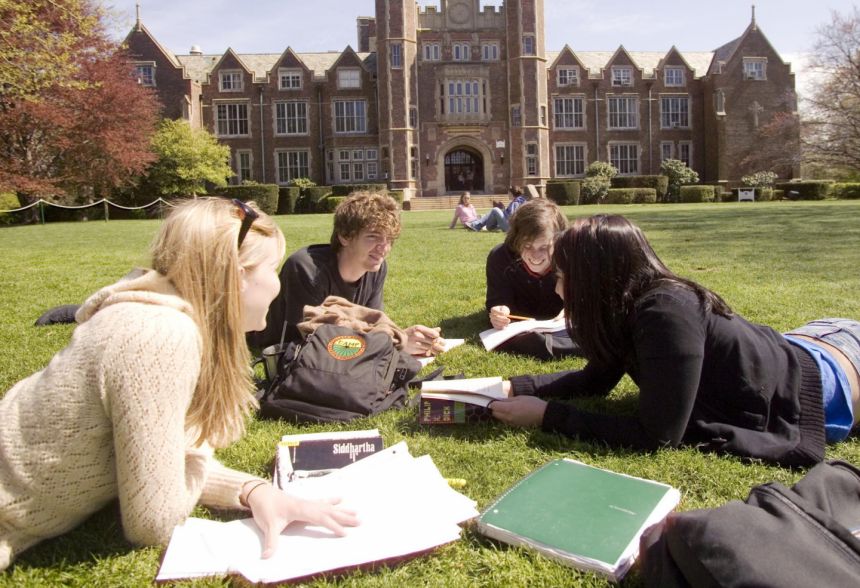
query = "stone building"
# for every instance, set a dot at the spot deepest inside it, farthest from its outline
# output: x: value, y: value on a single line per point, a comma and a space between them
x: 436, y: 100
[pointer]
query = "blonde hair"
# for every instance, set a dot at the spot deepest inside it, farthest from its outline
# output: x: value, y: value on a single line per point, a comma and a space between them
x: 196, y: 250
x: 365, y: 210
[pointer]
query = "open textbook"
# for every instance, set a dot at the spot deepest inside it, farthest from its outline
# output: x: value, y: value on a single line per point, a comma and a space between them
x: 492, y: 338
x: 454, y: 402
x: 405, y: 507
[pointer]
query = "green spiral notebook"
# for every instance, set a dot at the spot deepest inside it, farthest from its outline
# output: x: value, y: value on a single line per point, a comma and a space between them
x: 583, y: 516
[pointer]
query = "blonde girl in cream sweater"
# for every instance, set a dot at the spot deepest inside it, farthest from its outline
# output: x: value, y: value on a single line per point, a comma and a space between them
x: 155, y: 376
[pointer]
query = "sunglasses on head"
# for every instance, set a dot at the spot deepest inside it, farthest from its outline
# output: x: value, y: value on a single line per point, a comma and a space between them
x: 248, y: 216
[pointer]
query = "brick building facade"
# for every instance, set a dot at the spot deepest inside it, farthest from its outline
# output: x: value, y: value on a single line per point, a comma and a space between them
x: 442, y: 99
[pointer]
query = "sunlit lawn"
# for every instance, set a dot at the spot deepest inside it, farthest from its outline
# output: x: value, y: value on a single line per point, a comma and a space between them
x: 776, y: 263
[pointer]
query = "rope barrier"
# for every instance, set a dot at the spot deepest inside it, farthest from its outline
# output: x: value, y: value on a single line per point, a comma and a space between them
x: 102, y: 201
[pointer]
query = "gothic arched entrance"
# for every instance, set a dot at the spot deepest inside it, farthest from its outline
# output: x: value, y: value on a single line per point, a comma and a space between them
x: 464, y: 170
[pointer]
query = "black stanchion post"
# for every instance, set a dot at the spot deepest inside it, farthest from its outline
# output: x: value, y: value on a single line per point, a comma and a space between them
x: 107, y: 214
x: 42, y: 211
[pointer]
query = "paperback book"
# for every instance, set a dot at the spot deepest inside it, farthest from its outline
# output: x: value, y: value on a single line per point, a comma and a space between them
x: 315, y: 454
x: 492, y: 338
x: 451, y: 402
x: 583, y: 516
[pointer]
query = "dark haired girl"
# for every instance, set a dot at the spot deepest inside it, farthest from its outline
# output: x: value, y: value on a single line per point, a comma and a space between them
x: 706, y: 376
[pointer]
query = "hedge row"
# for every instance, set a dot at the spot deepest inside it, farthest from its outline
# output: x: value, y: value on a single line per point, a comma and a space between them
x: 660, y: 184
x: 806, y: 190
x: 630, y: 196
x: 265, y: 195
x: 696, y: 193
x: 846, y: 190
x: 347, y: 189
x: 564, y: 192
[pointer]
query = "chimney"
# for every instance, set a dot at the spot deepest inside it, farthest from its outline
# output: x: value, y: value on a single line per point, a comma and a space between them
x: 366, y: 33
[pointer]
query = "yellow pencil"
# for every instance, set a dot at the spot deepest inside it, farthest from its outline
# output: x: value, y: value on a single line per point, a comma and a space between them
x: 517, y: 317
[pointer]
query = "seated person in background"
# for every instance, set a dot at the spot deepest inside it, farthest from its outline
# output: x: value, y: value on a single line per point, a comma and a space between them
x: 497, y: 218
x: 520, y: 280
x: 351, y: 266
x: 464, y: 212
x: 706, y: 376
x: 155, y: 376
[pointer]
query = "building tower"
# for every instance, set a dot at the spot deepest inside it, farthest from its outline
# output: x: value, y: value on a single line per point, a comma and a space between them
x: 527, y: 71
x: 396, y: 52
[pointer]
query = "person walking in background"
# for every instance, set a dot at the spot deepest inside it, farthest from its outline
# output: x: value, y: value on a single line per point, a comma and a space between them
x: 465, y: 211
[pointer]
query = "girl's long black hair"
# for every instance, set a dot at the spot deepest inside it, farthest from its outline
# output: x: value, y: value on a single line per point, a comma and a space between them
x: 605, y: 264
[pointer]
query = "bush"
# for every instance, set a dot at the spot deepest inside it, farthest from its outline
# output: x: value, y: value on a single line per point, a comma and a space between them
x: 593, y: 190
x: 301, y: 183
x: 764, y: 194
x: 778, y: 194
x: 660, y: 184
x: 563, y: 191
x: 697, y: 193
x: 619, y: 196
x: 846, y: 191
x: 329, y: 203
x: 287, y: 197
x: 806, y: 189
x: 678, y: 174
x: 761, y: 179
x: 644, y: 196
x: 347, y: 189
x: 601, y: 169
x: 264, y: 195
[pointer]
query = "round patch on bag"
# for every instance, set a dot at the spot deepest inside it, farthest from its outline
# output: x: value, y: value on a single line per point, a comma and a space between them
x: 346, y: 347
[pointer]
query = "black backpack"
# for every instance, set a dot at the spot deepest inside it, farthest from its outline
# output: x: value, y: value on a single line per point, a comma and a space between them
x: 800, y: 536
x: 337, y: 374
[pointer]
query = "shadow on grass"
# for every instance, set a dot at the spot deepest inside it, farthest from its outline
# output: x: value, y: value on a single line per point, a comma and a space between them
x: 465, y: 326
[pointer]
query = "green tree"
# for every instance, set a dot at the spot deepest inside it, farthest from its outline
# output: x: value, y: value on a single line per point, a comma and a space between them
x: 678, y: 174
x: 187, y: 159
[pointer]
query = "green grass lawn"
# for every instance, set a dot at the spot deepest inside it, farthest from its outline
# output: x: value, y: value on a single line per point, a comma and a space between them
x: 776, y: 263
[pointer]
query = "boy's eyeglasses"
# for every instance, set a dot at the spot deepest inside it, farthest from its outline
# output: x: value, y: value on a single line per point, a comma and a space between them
x: 248, y: 216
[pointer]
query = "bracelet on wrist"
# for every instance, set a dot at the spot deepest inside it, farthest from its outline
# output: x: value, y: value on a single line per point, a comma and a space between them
x: 244, y: 501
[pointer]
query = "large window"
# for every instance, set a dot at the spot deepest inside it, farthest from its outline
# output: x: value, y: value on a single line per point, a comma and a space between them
x: 396, y: 55
x: 567, y: 76
x: 290, y: 79
x: 145, y: 74
x: 292, y: 165
x: 674, y: 76
x: 432, y: 52
x: 465, y: 97
x: 231, y: 119
x: 291, y: 118
x: 569, y: 113
x: 358, y: 163
x: 625, y: 157
x: 348, y: 77
x: 230, y: 81
x: 667, y: 150
x: 516, y: 116
x: 622, y: 76
x: 674, y: 112
x: 350, y: 116
x: 685, y: 152
x: 755, y: 68
x: 461, y: 51
x: 623, y: 112
x: 569, y: 160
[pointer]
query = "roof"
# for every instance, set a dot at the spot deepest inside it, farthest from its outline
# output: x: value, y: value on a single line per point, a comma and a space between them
x: 595, y: 61
x: 198, y: 67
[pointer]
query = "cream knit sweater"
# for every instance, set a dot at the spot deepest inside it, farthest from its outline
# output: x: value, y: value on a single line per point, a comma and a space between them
x: 106, y: 419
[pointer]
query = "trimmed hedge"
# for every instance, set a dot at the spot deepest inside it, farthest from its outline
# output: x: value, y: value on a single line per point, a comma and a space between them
x: 563, y: 192
x: 630, y: 196
x: 658, y: 182
x: 329, y: 203
x: 398, y: 196
x: 265, y: 195
x: 347, y: 189
x: 846, y: 190
x: 697, y: 193
x: 309, y: 200
x: 806, y: 190
x: 287, y: 197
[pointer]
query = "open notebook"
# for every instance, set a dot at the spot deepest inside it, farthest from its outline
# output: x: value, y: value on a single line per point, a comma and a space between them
x: 492, y: 338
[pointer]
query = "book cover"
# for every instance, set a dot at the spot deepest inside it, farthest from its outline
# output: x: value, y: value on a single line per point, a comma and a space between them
x: 584, y: 516
x: 319, y: 453
x: 438, y: 411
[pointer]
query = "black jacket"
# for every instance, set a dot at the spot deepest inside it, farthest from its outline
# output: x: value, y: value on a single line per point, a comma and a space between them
x: 722, y: 383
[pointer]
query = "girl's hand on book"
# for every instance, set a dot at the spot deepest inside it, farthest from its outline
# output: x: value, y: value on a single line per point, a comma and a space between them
x: 499, y: 317
x: 273, y: 510
x: 520, y: 411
